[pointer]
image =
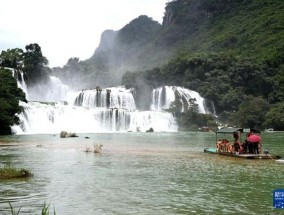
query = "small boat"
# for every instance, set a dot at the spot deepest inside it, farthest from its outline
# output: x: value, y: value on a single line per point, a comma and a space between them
x: 227, y: 149
x: 269, y: 130
x: 246, y: 156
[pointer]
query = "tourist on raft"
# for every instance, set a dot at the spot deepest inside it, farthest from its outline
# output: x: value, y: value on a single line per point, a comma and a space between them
x: 250, y: 147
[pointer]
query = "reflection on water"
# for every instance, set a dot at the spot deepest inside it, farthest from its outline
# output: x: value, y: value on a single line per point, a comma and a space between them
x: 138, y: 173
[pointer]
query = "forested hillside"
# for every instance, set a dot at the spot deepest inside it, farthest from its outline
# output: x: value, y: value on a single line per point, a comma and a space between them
x: 231, y: 52
x: 252, y: 28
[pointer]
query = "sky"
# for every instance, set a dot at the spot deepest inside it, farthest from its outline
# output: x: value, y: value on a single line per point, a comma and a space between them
x: 68, y: 28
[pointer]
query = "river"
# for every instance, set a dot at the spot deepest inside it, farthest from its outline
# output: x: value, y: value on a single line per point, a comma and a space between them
x: 138, y: 173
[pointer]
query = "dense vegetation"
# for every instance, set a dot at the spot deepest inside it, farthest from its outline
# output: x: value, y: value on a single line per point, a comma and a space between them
x: 231, y: 52
x: 31, y: 62
x: 243, y: 91
x: 10, y: 95
x: 251, y: 28
x: 33, y: 65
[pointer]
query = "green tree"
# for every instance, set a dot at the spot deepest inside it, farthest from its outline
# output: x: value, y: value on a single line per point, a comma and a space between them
x: 12, y: 58
x: 73, y: 66
x: 251, y: 113
x: 154, y: 77
x: 34, y: 64
x: 129, y: 79
x: 232, y: 99
x: 274, y: 118
x: 191, y: 119
x: 277, y: 82
x: 10, y: 95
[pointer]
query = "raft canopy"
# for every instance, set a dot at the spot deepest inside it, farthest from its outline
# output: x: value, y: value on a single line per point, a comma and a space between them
x: 231, y: 130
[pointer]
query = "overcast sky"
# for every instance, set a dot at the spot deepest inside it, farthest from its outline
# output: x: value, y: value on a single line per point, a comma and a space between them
x: 68, y: 28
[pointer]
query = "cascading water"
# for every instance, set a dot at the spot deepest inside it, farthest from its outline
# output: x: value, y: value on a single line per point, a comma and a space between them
x: 119, y: 113
x: 98, y: 110
x: 163, y: 97
x: 115, y: 97
x: 52, y: 90
x: 21, y: 81
x: 53, y: 118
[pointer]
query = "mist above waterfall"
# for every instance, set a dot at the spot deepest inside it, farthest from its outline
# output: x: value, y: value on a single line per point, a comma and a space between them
x: 129, y: 49
x: 51, y: 90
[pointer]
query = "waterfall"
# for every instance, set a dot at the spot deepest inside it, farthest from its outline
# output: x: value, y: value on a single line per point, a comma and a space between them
x: 97, y: 110
x: 19, y: 76
x: 88, y: 111
x: 52, y: 90
x: 42, y: 118
x: 47, y: 118
x: 162, y: 98
x: 114, y: 97
x: 21, y: 83
x: 158, y: 120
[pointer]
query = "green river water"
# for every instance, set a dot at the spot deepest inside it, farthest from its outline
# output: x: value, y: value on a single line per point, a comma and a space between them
x: 138, y: 173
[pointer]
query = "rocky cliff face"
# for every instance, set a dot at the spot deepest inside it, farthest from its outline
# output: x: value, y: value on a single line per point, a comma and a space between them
x: 126, y: 49
x: 190, y: 12
x: 144, y: 43
x: 107, y: 41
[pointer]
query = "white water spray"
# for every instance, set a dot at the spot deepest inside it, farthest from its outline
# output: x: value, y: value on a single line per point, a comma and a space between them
x: 163, y: 97
x: 98, y: 110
